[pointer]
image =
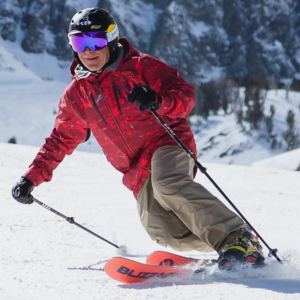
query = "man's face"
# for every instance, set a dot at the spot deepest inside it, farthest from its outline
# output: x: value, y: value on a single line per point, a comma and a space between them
x: 94, y: 60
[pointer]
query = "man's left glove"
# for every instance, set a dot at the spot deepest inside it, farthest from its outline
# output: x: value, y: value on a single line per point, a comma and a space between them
x: 144, y: 98
x: 21, y: 191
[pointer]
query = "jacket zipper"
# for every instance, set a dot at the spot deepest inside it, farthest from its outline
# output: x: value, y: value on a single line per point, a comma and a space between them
x: 92, y: 101
x: 117, y: 127
x: 117, y: 98
x: 94, y: 104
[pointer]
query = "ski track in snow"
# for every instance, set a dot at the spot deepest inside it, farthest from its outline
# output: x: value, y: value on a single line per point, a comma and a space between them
x: 44, y: 257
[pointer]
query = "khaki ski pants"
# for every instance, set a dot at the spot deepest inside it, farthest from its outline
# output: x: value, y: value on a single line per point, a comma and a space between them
x: 181, y: 213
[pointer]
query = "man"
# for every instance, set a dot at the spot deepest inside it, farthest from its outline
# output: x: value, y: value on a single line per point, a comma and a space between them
x: 114, y: 87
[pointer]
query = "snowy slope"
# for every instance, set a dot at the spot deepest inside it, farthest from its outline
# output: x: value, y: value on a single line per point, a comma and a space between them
x: 13, y: 71
x: 43, y: 65
x: 28, y: 106
x: 286, y: 161
x: 222, y: 140
x: 27, y: 110
x: 43, y: 257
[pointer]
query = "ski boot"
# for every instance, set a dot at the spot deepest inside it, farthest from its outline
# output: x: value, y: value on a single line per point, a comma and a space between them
x: 244, y: 250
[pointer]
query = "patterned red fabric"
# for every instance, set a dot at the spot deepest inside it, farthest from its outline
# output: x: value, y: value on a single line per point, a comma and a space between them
x: 127, y: 136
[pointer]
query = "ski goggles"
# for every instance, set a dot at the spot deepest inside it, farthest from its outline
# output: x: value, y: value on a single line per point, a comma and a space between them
x: 80, y: 41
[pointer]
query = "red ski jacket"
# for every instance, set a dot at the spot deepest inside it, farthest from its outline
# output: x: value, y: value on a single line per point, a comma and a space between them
x: 128, y: 137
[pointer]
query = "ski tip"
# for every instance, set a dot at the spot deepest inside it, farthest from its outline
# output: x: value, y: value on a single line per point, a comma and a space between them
x: 113, y: 268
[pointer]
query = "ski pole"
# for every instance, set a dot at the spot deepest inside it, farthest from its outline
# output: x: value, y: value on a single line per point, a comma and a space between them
x: 72, y: 221
x: 203, y: 170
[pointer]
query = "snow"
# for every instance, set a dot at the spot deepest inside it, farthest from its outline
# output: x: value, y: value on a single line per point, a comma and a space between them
x: 35, y: 101
x: 287, y: 161
x: 28, y: 104
x: 136, y: 14
x: 78, y: 4
x: 199, y: 29
x: 139, y: 18
x: 44, y: 257
x: 221, y: 140
x: 13, y: 70
x: 43, y: 65
x: 218, y: 142
x: 18, y: 119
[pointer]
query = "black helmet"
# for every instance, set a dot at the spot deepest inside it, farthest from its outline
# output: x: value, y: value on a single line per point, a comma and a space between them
x: 96, y: 19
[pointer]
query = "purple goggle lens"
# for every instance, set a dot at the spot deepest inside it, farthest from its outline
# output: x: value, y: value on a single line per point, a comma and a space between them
x: 92, y: 40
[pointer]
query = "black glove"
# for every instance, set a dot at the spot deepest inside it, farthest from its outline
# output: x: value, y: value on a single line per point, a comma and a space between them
x: 144, y: 98
x: 21, y: 191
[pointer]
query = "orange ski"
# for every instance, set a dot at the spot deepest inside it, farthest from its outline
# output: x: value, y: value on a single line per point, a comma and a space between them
x: 163, y: 258
x: 130, y: 271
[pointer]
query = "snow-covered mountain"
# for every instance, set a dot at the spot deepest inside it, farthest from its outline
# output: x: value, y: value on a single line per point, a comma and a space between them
x: 205, y: 39
x: 28, y: 106
x: 285, y: 161
x: 222, y: 139
x: 44, y: 257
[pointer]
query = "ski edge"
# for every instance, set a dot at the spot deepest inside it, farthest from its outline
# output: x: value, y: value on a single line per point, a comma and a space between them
x: 165, y: 258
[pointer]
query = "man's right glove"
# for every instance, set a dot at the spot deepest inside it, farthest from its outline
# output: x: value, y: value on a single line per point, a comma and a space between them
x: 21, y: 191
x: 144, y: 98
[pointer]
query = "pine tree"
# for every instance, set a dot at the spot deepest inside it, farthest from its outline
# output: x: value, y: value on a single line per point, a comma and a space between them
x: 270, y: 126
x: 291, y: 135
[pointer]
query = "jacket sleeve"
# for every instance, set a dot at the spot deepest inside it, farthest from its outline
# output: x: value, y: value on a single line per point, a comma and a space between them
x: 67, y: 134
x: 178, y: 97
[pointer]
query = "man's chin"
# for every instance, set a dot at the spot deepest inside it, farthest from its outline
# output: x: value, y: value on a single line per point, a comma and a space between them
x: 94, y: 68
